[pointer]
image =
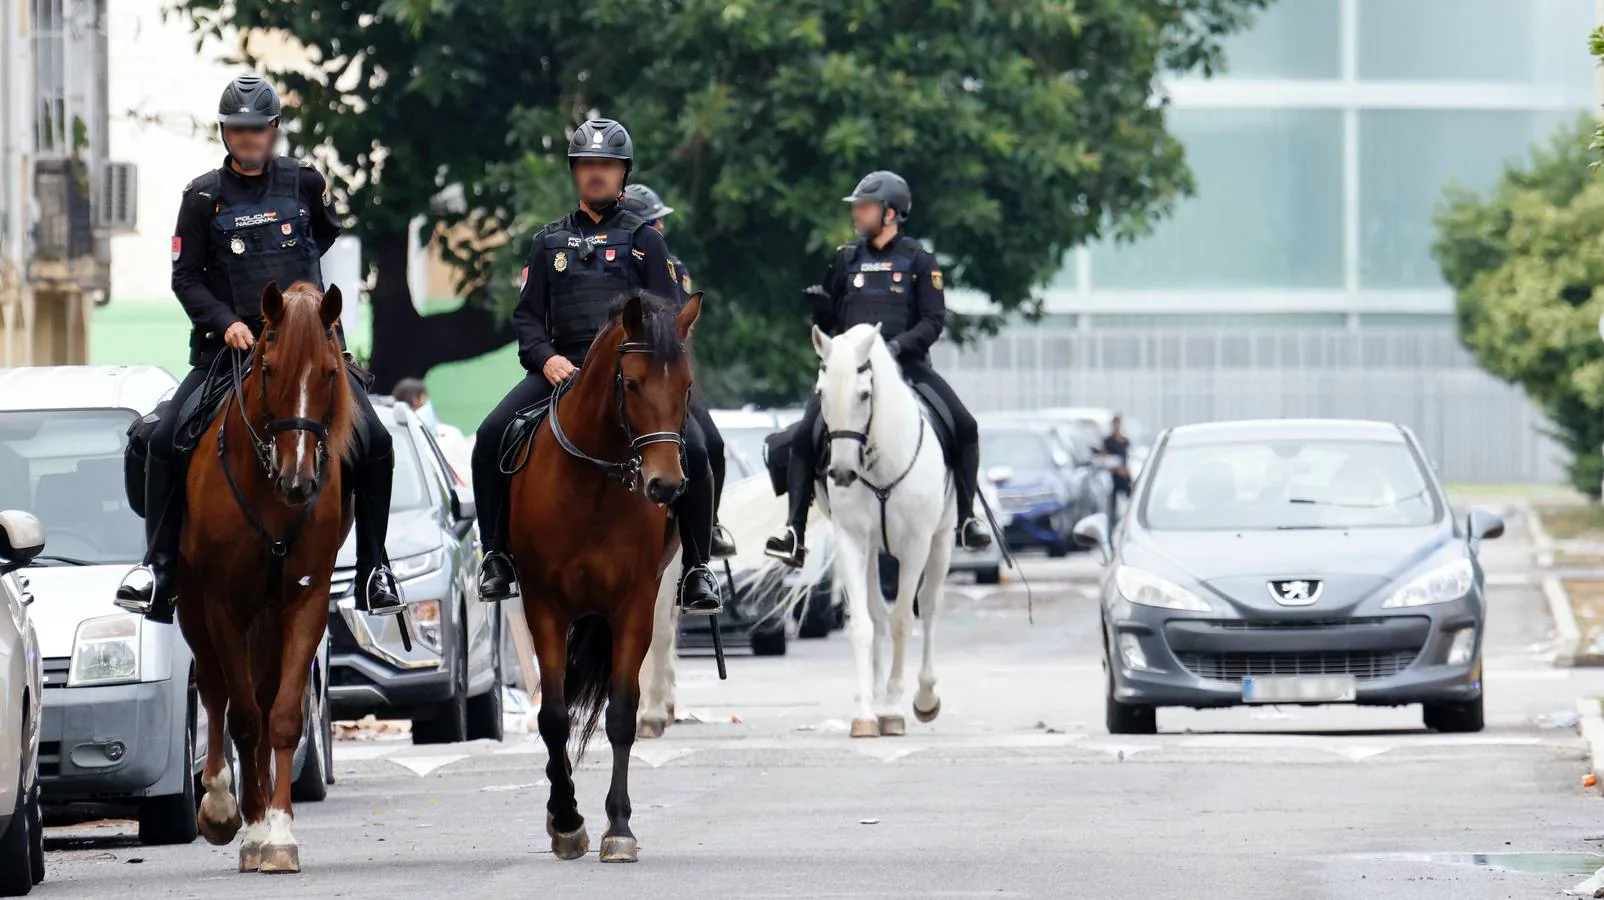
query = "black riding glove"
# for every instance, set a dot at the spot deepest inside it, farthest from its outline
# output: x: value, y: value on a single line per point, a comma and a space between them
x: 895, y: 348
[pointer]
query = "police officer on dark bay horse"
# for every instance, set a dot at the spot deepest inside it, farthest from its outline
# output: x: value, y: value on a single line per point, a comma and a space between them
x: 578, y: 266
x: 644, y: 202
x: 257, y: 219
x: 888, y: 278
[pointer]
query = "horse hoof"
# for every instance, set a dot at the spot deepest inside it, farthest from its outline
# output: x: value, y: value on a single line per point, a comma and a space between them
x: 649, y: 729
x: 618, y: 848
x: 865, y: 728
x: 927, y: 715
x: 571, y: 845
x: 893, y: 726
x: 280, y: 859
x: 217, y: 830
x: 250, y: 857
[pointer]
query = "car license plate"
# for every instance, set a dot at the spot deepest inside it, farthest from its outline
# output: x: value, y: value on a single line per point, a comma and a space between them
x: 1300, y: 689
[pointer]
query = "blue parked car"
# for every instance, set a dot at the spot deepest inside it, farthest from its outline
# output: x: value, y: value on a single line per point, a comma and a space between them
x: 1028, y: 468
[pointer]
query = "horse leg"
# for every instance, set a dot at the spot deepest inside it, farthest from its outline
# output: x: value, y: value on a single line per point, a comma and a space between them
x: 851, y: 570
x: 910, y: 572
x: 218, y: 817
x: 244, y: 725
x: 303, y: 626
x: 631, y: 635
x: 879, y: 618
x: 657, y: 672
x: 564, y: 824
x: 926, y: 705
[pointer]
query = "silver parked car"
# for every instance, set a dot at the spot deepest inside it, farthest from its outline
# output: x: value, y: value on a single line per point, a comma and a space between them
x: 22, y: 847
x: 449, y: 683
x: 122, y: 724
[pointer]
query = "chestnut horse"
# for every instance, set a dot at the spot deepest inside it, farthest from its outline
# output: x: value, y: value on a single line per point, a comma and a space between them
x: 590, y: 538
x: 266, y: 515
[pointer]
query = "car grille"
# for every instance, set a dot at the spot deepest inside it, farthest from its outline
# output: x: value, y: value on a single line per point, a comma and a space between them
x: 1363, y: 665
x: 56, y: 668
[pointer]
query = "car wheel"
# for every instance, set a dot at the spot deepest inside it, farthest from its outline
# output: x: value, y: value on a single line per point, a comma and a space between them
x: 769, y: 640
x: 171, y: 819
x: 36, y: 835
x: 449, y: 724
x: 312, y: 786
x: 484, y: 711
x: 1126, y: 718
x: 16, y: 867
x: 1455, y: 718
x: 988, y: 575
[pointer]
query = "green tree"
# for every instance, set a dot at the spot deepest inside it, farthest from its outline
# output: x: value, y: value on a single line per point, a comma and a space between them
x: 1525, y: 263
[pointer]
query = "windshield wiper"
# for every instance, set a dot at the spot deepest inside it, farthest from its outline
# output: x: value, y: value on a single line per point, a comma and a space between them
x: 1309, y: 501
x: 68, y: 560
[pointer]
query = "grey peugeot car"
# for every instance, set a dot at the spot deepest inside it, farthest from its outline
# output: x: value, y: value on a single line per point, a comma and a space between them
x: 1291, y: 562
x: 449, y: 682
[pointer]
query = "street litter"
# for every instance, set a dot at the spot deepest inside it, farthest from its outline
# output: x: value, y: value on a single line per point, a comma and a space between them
x: 1562, y: 719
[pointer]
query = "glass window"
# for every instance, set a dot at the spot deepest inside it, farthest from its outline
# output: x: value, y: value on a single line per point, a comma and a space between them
x: 1291, y: 39
x: 66, y: 467
x: 1015, y: 449
x: 1267, y: 213
x: 1406, y: 157
x: 408, y: 489
x: 1522, y: 41
x: 1288, y: 484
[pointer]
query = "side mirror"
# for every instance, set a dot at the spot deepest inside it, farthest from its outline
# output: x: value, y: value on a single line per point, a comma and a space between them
x: 1060, y: 460
x: 463, y: 507
x: 999, y: 474
x: 21, y: 539
x: 1484, y: 525
x: 1092, y: 531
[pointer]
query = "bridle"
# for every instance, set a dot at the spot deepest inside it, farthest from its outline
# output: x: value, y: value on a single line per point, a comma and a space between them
x: 626, y: 472
x: 866, y: 455
x: 263, y: 446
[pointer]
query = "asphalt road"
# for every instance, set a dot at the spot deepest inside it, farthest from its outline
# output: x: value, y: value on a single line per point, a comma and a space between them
x: 1016, y: 791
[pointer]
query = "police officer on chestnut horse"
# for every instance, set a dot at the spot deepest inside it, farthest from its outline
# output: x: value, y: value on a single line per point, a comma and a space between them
x: 644, y: 202
x: 260, y: 218
x: 578, y: 267
x: 883, y: 277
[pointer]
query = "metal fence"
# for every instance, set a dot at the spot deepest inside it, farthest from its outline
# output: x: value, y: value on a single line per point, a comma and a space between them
x: 1475, y: 428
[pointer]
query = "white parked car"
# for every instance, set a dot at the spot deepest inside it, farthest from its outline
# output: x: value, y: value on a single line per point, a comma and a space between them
x: 22, y: 847
x: 122, y: 725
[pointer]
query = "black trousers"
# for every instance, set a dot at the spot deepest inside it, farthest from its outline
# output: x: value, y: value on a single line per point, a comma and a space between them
x: 1120, y: 486
x: 714, y: 442
x: 694, y: 508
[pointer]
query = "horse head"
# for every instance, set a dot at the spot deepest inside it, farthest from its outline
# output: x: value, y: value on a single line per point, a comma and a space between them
x: 301, y: 402
x: 847, y: 367
x: 652, y: 376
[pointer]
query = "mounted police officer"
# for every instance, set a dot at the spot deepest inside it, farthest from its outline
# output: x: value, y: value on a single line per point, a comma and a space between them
x: 888, y: 278
x: 644, y: 202
x: 578, y: 266
x: 258, y: 218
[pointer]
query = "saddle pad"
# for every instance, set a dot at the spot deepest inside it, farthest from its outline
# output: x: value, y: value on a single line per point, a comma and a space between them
x: 520, y: 433
x: 941, y: 421
x: 199, y: 410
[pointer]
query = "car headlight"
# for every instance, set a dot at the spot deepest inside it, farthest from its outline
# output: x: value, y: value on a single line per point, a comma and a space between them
x: 105, y: 651
x: 1440, y: 585
x: 418, y: 564
x: 1147, y: 589
x: 426, y: 613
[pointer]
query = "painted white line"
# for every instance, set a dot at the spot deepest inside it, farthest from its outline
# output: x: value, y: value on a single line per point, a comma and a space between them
x: 1567, y: 634
x: 423, y: 765
x: 883, y: 753
x: 657, y: 756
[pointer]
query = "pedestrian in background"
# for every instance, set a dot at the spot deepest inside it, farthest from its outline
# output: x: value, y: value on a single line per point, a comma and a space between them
x: 415, y: 394
x: 1117, y: 449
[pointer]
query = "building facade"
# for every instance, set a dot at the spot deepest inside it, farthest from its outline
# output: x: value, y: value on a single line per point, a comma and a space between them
x: 1299, y: 279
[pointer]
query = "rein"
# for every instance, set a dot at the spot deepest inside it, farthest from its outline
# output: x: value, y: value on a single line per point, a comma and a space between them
x: 278, y: 547
x: 881, y: 493
x: 626, y: 472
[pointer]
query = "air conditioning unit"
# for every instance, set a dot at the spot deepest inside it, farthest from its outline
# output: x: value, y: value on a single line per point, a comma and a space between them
x: 116, y: 209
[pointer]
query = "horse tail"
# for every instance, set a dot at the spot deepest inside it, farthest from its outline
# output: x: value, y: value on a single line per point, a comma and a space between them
x: 751, y: 512
x: 588, y: 678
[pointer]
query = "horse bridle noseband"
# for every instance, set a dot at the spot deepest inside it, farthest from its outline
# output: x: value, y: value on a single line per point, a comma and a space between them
x: 626, y: 472
x: 866, y: 457
x: 263, y: 446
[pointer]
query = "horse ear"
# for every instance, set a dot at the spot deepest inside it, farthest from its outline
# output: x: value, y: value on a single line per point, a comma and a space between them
x: 634, y: 318
x: 688, y: 314
x: 272, y: 302
x: 821, y: 343
x: 330, y: 308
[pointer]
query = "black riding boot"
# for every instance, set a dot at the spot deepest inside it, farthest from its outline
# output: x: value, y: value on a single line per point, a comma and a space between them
x: 376, y: 590
x: 151, y: 589
x: 698, y: 592
x: 498, y: 580
x: 788, y: 546
x: 972, y: 533
x: 723, y: 545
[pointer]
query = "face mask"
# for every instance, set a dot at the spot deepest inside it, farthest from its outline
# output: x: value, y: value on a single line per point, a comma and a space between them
x: 426, y: 413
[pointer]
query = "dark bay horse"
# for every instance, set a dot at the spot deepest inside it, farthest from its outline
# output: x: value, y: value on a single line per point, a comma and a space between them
x: 266, y: 515
x: 590, y: 538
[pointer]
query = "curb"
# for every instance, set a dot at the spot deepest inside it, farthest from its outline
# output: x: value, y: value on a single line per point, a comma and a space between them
x: 1567, y: 634
x: 1540, y: 537
x: 1591, y: 725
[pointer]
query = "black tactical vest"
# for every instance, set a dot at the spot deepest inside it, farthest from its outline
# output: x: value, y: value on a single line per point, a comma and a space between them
x: 878, y: 290
x: 586, y: 274
x: 269, y: 240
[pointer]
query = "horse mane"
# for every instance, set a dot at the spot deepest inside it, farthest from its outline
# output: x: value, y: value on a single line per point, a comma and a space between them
x: 300, y: 339
x: 660, y: 316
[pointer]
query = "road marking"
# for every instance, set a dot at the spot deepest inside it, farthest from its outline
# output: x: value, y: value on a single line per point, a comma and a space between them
x: 657, y: 756
x: 423, y: 765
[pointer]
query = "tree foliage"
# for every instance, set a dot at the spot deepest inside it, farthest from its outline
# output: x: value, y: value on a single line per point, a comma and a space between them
x: 1026, y: 128
x: 1525, y: 264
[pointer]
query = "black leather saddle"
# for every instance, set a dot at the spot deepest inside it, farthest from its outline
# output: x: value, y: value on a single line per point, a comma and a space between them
x: 520, y: 435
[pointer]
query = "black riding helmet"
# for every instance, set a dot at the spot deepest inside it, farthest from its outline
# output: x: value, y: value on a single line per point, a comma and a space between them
x: 888, y: 188
x: 602, y: 139
x: 644, y: 202
x: 247, y: 101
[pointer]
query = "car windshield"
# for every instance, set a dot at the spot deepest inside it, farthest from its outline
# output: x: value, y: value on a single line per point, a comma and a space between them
x: 748, y: 442
x: 66, y: 467
x: 1015, y: 449
x: 1289, y: 484
x: 408, y: 490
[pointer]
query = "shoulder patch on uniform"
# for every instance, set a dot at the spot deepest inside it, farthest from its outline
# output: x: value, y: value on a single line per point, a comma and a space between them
x: 638, y: 252
x: 935, y: 279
